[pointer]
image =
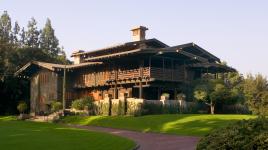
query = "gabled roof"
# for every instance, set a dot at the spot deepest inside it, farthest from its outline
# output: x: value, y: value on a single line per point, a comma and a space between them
x: 190, y: 50
x: 51, y: 66
x: 127, y: 46
x: 212, y: 67
x: 196, y: 50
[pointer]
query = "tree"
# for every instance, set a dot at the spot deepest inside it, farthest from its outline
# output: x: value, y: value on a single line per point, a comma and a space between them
x: 18, y: 47
x: 22, y: 41
x: 15, y: 33
x: 5, y: 27
x: 32, y: 34
x: 210, y: 92
x: 256, y: 93
x: 48, y: 40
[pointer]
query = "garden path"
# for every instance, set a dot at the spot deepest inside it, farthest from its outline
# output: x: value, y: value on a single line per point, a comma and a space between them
x: 150, y: 141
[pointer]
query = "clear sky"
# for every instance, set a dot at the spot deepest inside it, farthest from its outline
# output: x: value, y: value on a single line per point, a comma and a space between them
x: 234, y: 30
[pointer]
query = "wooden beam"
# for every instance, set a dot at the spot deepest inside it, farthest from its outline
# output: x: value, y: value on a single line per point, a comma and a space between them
x: 141, y: 76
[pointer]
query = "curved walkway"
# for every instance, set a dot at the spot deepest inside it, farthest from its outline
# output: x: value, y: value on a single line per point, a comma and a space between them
x: 150, y: 141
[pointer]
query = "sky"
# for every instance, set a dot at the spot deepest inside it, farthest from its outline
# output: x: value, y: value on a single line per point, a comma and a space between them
x: 236, y: 31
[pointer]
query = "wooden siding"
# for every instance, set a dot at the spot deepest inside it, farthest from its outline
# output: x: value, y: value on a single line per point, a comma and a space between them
x: 94, y: 79
x: 44, y: 89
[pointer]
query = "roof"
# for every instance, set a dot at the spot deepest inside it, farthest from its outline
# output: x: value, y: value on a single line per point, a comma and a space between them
x: 52, y: 66
x: 190, y: 50
x: 213, y: 67
x: 127, y: 46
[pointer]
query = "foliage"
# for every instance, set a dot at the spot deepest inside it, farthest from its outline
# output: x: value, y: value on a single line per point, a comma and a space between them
x: 184, y: 124
x: 18, y: 47
x: 102, y: 108
x: 122, y: 107
x: 180, y: 96
x: 56, y: 106
x: 134, y: 108
x: 256, y: 93
x: 5, y: 26
x: 85, y: 103
x: 22, y: 107
x: 225, y: 90
x: 48, y: 40
x: 245, y: 134
x: 151, y: 108
x: 211, y: 91
x: 59, y: 137
x: 32, y: 34
x: 166, y: 95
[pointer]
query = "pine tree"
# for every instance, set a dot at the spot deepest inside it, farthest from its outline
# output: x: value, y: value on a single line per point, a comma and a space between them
x: 48, y: 40
x: 32, y: 34
x: 22, y: 40
x: 5, y: 27
x: 15, y: 33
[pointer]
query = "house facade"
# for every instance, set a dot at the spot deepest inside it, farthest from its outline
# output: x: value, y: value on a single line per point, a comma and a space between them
x: 143, y: 68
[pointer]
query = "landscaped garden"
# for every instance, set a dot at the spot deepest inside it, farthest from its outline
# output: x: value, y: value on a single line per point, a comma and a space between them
x: 184, y: 124
x: 16, y: 135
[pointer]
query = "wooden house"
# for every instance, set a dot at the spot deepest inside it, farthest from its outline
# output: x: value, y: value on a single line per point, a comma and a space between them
x: 143, y: 68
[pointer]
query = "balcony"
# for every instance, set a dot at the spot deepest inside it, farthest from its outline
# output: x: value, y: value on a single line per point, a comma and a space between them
x: 102, y: 78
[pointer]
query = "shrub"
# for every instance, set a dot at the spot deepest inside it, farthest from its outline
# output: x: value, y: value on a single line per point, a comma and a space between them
x: 134, y: 108
x: 151, y: 108
x: 101, y: 108
x: 245, y: 134
x: 85, y: 103
x: 22, y: 107
x: 121, y: 108
x: 56, y: 106
x: 166, y: 95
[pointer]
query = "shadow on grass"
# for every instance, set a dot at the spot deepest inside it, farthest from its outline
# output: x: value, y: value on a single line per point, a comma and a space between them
x: 184, y: 124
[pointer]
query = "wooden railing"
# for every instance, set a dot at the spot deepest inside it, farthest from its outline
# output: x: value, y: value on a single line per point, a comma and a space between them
x: 101, y: 78
x: 167, y: 74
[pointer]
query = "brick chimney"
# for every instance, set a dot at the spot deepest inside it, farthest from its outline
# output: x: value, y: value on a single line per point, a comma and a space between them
x: 138, y: 33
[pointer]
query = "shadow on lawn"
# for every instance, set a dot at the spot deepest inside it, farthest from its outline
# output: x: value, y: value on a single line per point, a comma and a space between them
x: 183, y: 124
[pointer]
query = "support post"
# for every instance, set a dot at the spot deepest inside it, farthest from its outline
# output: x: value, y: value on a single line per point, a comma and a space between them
x: 158, y: 93
x: 115, y: 85
x: 64, y: 88
x: 141, y: 76
x: 175, y: 94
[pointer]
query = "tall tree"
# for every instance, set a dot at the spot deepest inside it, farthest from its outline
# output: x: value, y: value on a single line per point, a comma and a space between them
x: 5, y: 27
x: 48, y: 40
x: 256, y: 93
x: 32, y: 34
x: 15, y: 33
x: 22, y: 40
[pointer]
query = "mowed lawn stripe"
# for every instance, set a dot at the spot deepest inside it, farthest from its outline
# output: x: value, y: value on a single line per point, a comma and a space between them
x: 16, y: 135
x: 184, y: 124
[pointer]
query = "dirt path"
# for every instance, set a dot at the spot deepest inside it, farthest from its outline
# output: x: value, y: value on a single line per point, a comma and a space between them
x: 150, y: 141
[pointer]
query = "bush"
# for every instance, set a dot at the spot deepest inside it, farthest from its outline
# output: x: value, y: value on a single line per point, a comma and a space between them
x: 245, y: 134
x: 22, y: 107
x: 101, y: 108
x: 151, y: 109
x: 85, y: 103
x: 56, y: 106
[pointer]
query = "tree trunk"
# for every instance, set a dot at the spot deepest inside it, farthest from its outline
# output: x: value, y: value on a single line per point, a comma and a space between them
x: 212, y: 108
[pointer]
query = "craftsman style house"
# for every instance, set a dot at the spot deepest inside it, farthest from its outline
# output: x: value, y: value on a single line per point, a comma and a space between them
x: 143, y: 68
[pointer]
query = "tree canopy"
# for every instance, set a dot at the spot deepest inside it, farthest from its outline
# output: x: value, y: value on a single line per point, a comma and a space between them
x: 17, y: 47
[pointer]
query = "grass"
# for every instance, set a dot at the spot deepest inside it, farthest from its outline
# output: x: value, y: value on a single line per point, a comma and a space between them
x: 16, y: 135
x: 185, y: 124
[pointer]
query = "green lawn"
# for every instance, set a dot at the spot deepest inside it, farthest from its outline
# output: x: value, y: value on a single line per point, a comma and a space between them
x: 16, y: 135
x: 186, y: 124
